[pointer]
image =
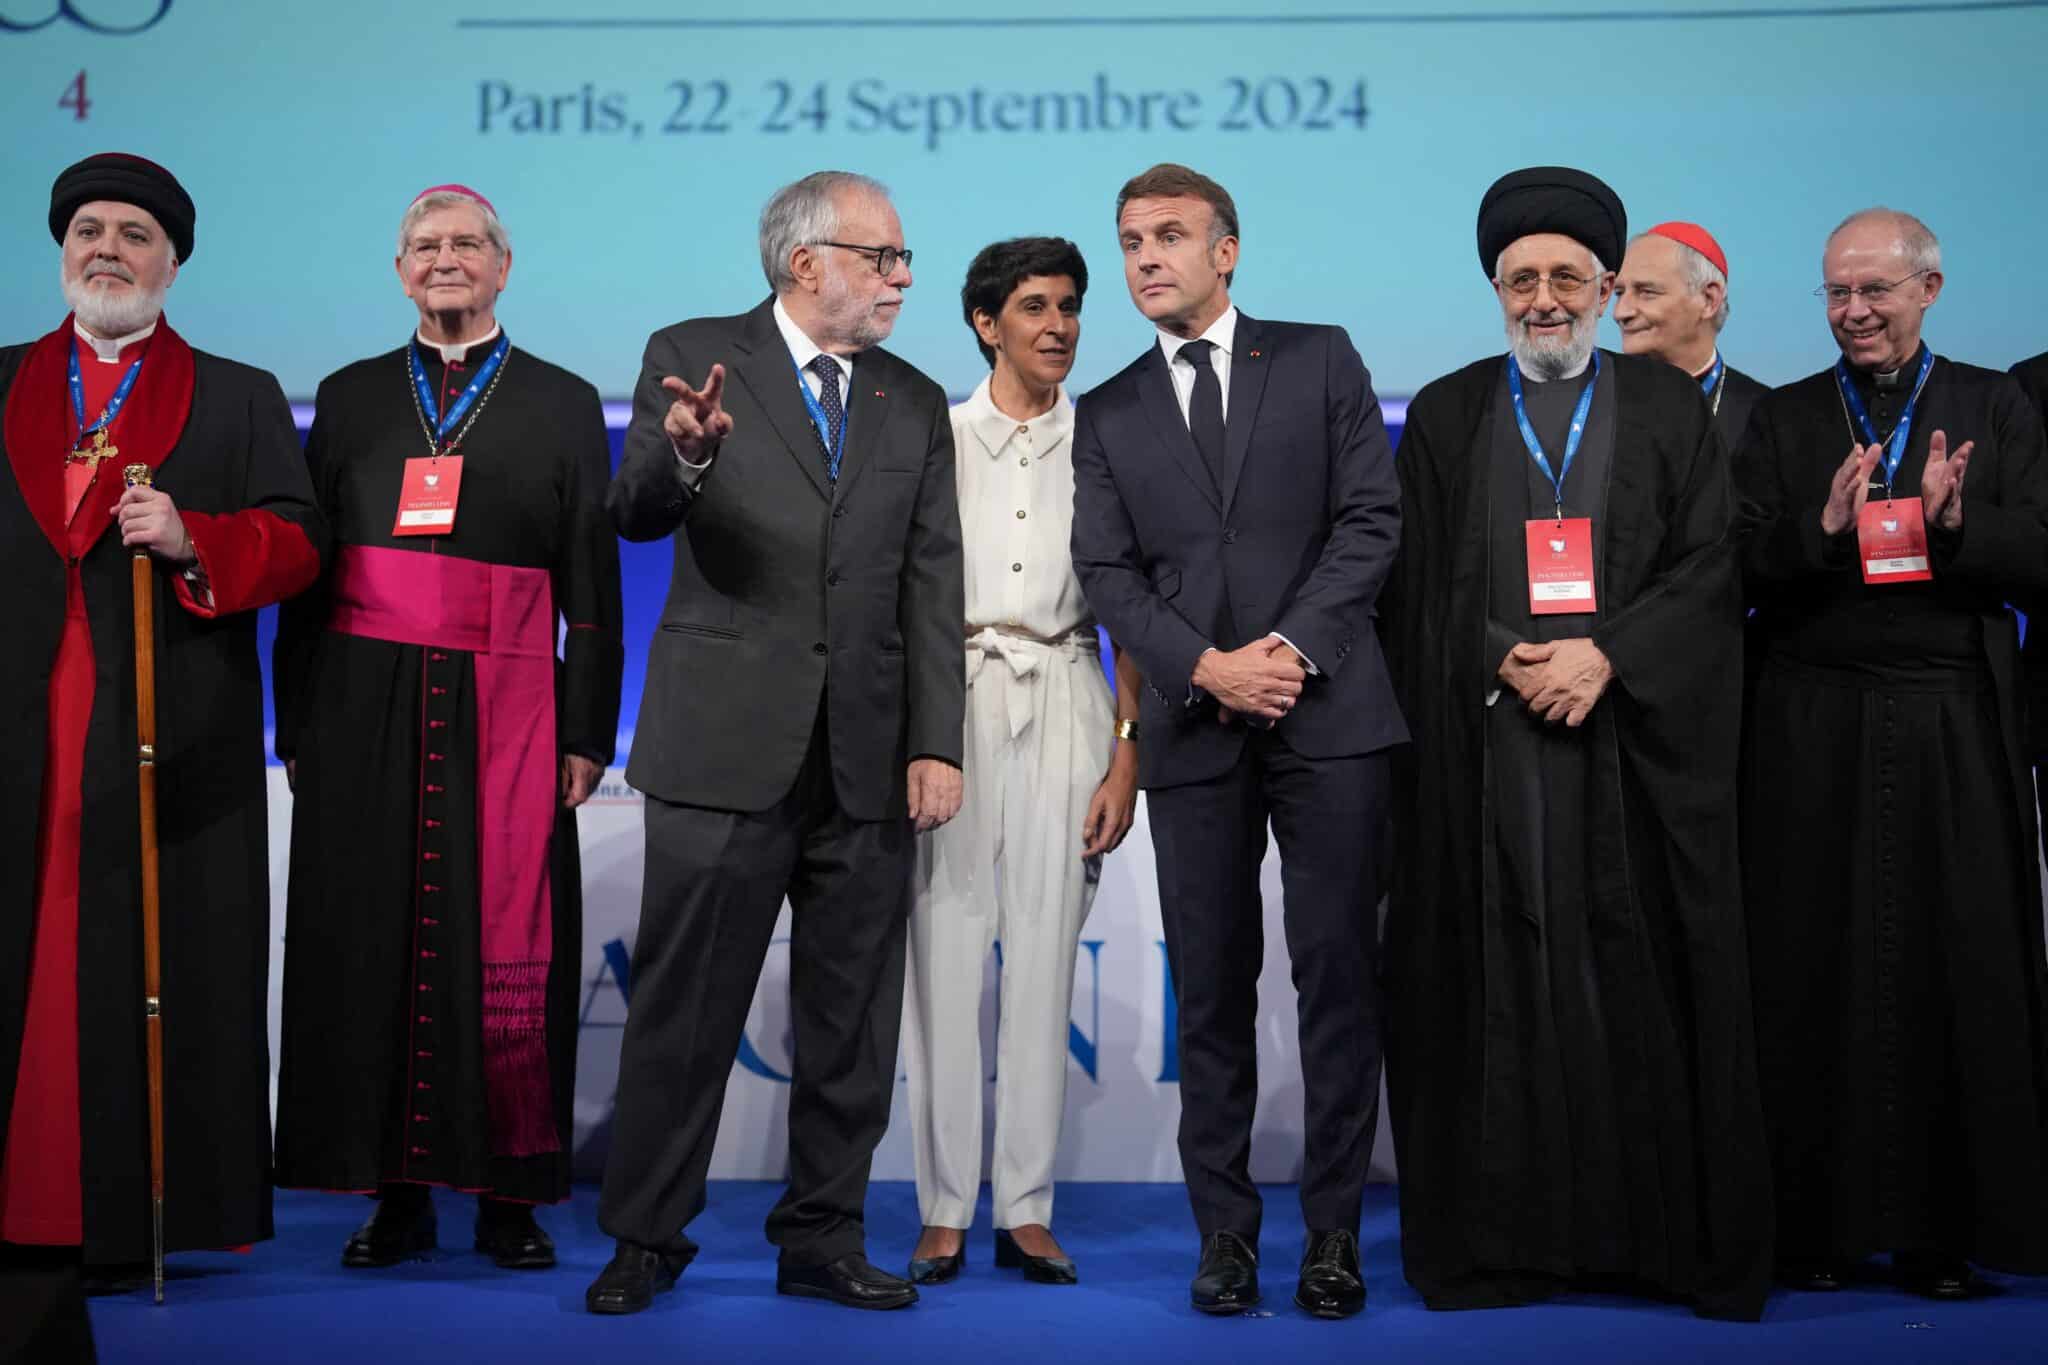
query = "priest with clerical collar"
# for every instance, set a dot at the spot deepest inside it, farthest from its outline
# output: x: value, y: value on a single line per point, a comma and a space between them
x: 1898, y: 501
x: 1671, y: 302
x: 438, y: 750
x: 1570, y: 1064
x: 231, y: 526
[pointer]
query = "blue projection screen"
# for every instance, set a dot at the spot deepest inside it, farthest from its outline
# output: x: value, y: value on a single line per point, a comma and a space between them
x: 629, y: 145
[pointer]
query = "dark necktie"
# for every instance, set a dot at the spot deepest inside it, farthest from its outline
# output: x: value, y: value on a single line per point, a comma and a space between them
x: 827, y: 370
x: 1205, y: 408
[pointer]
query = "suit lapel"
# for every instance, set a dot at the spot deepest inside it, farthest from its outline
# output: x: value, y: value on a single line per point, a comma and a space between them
x: 867, y: 414
x: 770, y: 375
x: 1155, y: 391
x: 1248, y: 368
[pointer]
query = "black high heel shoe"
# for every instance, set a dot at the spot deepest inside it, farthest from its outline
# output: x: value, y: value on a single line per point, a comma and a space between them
x: 1040, y: 1269
x: 939, y: 1269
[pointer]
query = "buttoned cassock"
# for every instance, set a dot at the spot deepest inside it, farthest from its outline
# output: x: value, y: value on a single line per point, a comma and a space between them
x: 1009, y: 869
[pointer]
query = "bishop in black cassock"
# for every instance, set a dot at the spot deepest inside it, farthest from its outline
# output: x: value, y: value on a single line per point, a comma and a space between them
x: 1570, y: 1063
x: 1888, y: 819
x: 438, y: 749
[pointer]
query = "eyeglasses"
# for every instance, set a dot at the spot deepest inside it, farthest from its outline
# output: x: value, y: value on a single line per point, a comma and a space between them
x: 1563, y: 283
x: 465, y: 248
x: 886, y: 257
x: 1873, y: 294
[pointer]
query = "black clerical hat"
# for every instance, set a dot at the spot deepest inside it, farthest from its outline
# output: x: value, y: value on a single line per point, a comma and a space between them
x: 1551, y: 199
x: 124, y: 179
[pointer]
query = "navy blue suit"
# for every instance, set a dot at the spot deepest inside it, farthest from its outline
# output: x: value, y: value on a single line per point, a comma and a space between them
x: 1296, y: 540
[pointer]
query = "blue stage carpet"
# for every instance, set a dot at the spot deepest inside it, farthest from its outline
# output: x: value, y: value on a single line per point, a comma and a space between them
x: 290, y: 1300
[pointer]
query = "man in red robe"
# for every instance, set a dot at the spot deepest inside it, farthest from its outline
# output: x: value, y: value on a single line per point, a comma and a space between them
x: 232, y: 526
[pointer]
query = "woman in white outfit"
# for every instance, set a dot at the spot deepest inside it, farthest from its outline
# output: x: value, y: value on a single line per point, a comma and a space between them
x: 1052, y: 775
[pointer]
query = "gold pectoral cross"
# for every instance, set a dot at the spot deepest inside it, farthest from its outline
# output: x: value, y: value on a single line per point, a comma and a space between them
x: 98, y: 452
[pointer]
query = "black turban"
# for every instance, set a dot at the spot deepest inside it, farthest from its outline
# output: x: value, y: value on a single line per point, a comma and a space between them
x: 1551, y: 199
x: 127, y: 180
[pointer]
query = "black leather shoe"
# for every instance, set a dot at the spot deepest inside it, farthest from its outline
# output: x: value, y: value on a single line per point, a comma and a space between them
x: 509, y: 1234
x: 1331, y: 1285
x: 939, y: 1269
x: 1936, y: 1275
x: 402, y: 1227
x: 850, y: 1280
x: 1039, y: 1269
x: 1228, y: 1279
x: 633, y: 1277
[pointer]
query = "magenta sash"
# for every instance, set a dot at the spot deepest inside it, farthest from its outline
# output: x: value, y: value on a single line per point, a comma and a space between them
x: 505, y: 617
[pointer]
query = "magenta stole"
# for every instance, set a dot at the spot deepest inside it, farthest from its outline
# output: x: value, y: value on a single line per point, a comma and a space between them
x: 505, y: 617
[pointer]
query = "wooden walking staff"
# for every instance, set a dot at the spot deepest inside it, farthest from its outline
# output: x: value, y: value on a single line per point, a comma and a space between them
x: 138, y: 476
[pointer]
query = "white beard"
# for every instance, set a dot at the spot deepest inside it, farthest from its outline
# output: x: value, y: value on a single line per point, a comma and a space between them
x: 1545, y: 361
x: 108, y: 314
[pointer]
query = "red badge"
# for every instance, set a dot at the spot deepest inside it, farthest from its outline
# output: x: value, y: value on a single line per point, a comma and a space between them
x: 1891, y: 542
x: 1560, y: 566
x: 426, y: 500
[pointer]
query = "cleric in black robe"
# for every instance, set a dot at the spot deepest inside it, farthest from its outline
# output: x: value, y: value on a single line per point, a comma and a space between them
x: 438, y: 751
x: 1570, y: 1064
x: 1888, y: 823
x: 1671, y: 303
x: 2033, y: 377
x: 232, y: 527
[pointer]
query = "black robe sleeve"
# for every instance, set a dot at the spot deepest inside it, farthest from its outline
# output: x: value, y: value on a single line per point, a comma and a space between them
x: 1692, y: 597
x: 300, y: 620
x: 2003, y: 543
x: 586, y: 584
x: 1781, y: 536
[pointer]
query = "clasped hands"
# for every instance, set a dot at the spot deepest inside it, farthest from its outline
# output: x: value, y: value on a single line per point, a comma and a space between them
x: 1261, y: 681
x: 1558, y: 680
x: 1941, y: 485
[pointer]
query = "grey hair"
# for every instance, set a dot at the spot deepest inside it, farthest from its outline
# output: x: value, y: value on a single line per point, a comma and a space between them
x: 1698, y: 272
x: 804, y: 214
x: 1917, y: 242
x: 448, y: 199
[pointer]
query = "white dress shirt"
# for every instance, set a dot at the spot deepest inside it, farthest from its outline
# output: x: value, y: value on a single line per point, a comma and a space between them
x: 1016, y: 490
x: 1223, y: 332
x: 802, y: 351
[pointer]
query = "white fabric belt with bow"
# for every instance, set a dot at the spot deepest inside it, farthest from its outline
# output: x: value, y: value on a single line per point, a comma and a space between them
x: 1023, y: 652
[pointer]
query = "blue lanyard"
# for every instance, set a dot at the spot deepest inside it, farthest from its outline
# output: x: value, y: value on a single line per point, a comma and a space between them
x: 121, y: 393
x: 445, y: 422
x: 1712, y: 378
x: 823, y: 422
x: 1895, y: 449
x: 1571, y: 442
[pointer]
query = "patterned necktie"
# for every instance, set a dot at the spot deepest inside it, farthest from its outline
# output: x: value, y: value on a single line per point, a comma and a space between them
x: 1205, y: 408
x: 827, y: 370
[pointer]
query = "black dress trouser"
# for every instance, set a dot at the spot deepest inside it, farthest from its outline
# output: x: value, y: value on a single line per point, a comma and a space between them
x: 1330, y: 817
x: 715, y: 882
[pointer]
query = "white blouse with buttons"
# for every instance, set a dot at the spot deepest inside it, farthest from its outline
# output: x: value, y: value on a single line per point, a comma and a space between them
x: 1016, y: 484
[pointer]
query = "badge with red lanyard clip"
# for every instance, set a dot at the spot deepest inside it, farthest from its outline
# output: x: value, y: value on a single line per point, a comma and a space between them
x: 1560, y: 547
x: 1891, y: 536
x: 433, y: 484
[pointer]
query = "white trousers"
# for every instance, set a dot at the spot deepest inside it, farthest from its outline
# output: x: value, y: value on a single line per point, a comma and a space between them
x: 1008, y: 868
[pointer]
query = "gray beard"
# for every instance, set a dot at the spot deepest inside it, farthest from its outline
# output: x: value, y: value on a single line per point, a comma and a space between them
x: 1549, y: 361
x: 112, y: 315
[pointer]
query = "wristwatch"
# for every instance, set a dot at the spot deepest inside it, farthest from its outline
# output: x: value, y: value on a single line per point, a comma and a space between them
x: 1127, y: 729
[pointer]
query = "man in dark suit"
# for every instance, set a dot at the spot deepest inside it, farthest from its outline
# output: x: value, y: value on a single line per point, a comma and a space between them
x: 802, y: 720
x: 1235, y: 512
